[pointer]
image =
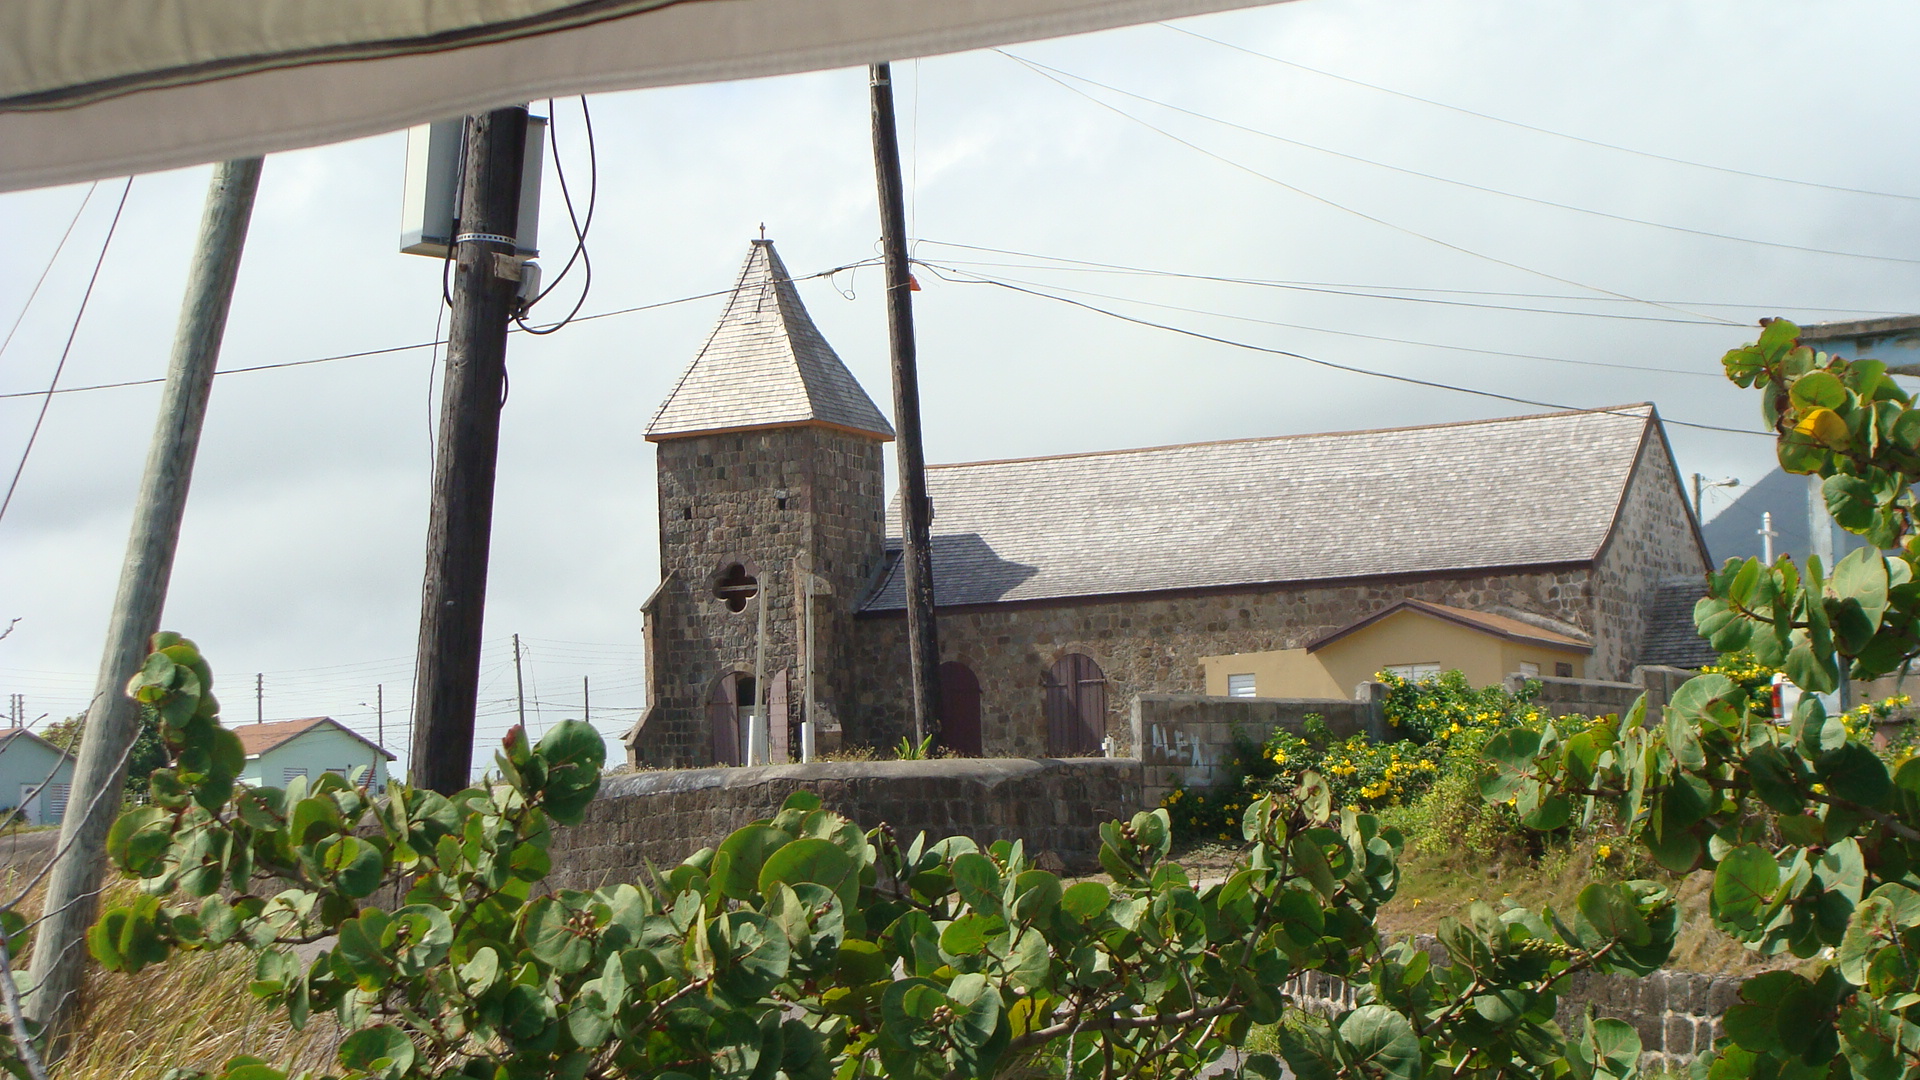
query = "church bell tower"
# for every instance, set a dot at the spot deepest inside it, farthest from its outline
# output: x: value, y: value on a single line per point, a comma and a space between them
x: 771, y: 525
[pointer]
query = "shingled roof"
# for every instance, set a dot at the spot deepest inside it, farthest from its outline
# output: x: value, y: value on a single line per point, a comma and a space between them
x: 1671, y: 639
x: 765, y: 365
x: 1522, y: 491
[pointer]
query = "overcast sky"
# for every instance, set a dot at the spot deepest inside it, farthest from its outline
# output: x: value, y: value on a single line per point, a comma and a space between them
x: 303, y: 544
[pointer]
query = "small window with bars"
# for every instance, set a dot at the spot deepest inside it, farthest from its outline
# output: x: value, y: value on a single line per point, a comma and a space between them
x: 56, y: 802
x: 1415, y: 672
x: 1529, y: 671
x: 290, y: 774
x: 1563, y: 670
x: 1240, y: 686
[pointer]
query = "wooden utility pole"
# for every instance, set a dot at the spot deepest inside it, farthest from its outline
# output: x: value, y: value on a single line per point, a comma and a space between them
x: 923, y: 637
x: 113, y: 720
x: 519, y: 684
x: 259, y: 698
x: 453, y: 599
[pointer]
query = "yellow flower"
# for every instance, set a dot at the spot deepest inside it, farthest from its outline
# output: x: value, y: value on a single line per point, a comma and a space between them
x: 1819, y: 789
x: 1416, y: 901
x: 1604, y: 851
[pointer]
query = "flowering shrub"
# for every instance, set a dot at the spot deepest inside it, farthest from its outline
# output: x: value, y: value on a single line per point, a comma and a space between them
x: 1445, y: 720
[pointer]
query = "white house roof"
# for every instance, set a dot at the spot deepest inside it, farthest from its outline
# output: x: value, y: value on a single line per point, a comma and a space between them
x: 257, y: 739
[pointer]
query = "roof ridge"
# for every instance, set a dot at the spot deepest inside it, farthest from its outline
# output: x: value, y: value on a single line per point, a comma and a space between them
x: 1617, y: 410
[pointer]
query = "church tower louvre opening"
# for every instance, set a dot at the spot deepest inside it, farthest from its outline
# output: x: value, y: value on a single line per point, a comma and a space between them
x: 771, y: 505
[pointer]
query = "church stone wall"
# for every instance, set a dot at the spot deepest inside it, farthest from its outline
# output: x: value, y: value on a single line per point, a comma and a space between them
x: 1153, y: 644
x: 1652, y: 541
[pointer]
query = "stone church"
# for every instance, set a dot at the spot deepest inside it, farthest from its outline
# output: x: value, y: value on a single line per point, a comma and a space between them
x: 1065, y: 585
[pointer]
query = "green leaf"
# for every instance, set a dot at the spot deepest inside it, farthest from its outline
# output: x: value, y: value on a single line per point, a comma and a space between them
x: 1818, y: 390
x: 1380, y: 1042
x: 355, y: 866
x: 977, y: 882
x: 1510, y: 755
x: 559, y: 934
x: 1035, y: 894
x: 1856, y: 773
x: 1553, y: 812
x: 1608, y: 1049
x: 383, y: 1050
x: 1775, y: 779
x: 1743, y: 885
x: 573, y: 752
x: 969, y: 934
x: 751, y: 954
x: 738, y: 862
x: 1611, y: 910
x: 821, y: 862
x: 1086, y: 900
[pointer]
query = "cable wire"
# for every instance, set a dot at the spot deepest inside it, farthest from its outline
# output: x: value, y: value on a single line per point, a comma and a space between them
x: 580, y: 228
x: 1323, y: 200
x: 422, y: 344
x: 48, y: 269
x: 1715, y: 375
x: 47, y: 399
x: 1350, y: 369
x: 1462, y: 183
x: 1376, y: 292
x: 1542, y: 130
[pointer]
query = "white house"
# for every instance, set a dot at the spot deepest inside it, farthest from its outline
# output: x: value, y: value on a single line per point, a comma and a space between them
x: 279, y: 751
x: 27, y: 762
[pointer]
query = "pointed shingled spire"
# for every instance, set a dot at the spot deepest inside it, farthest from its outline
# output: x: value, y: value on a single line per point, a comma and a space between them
x: 766, y: 365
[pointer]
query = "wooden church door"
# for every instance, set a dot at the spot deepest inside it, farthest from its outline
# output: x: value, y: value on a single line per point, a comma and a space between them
x: 779, y: 736
x: 1076, y: 707
x: 959, y: 709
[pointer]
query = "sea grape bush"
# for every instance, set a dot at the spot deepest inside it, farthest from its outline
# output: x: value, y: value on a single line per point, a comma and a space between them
x: 804, y: 948
x: 1812, y: 835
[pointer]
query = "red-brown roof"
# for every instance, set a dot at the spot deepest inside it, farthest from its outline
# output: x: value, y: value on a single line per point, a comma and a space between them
x: 1498, y: 625
x: 257, y: 739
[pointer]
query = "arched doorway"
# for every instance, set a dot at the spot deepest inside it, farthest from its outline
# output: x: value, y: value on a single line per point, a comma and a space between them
x: 1076, y: 706
x: 959, y: 709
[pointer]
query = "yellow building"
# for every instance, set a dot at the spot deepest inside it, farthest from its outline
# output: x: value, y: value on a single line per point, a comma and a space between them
x: 1412, y: 638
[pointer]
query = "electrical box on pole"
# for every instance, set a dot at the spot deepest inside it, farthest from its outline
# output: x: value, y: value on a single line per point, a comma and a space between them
x: 433, y: 188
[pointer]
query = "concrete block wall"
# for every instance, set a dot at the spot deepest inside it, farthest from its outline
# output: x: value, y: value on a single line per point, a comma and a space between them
x: 1186, y: 740
x: 1052, y: 805
x: 1676, y: 1013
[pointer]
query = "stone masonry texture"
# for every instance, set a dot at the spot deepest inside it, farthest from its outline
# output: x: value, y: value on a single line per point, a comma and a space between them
x: 665, y: 816
x: 783, y: 503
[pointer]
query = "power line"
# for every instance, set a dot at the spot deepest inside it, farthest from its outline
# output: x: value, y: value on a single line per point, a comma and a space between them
x: 422, y: 344
x: 1323, y: 200
x: 1350, y: 369
x: 48, y: 269
x: 1542, y: 130
x: 1342, y: 333
x: 1460, y: 183
x: 65, y: 350
x: 1387, y: 292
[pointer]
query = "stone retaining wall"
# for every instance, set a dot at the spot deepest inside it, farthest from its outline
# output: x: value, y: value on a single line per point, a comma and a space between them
x: 665, y: 816
x: 1187, y: 740
x: 1677, y: 1013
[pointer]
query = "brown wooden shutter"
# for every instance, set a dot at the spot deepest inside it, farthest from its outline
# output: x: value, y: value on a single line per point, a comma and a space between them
x: 1076, y: 706
x: 778, y: 738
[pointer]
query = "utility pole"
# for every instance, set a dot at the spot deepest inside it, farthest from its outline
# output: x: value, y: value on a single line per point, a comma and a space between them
x: 380, y: 715
x: 1767, y: 535
x: 923, y: 636
x: 586, y: 699
x: 453, y: 597
x: 259, y: 697
x: 113, y: 720
x: 519, y: 687
x: 1700, y: 482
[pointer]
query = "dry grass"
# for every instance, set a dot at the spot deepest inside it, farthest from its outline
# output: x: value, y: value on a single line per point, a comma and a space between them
x: 194, y: 1012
